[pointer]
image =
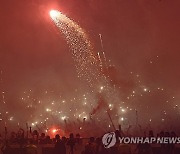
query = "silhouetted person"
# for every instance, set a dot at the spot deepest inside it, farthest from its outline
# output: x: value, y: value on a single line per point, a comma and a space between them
x: 90, y: 148
x: 60, y: 147
x: 118, y: 135
x: 48, y: 140
x: 35, y: 135
x: 20, y: 137
x: 71, y: 143
x: 78, y: 139
x: 42, y: 139
x: 63, y: 145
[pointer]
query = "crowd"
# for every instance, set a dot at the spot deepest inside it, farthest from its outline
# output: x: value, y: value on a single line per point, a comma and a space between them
x: 75, y: 144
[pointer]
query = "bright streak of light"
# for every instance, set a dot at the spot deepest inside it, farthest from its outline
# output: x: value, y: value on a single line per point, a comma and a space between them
x: 53, y: 14
x: 79, y: 43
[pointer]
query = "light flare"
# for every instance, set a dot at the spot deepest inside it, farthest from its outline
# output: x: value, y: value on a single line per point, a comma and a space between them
x: 53, y: 14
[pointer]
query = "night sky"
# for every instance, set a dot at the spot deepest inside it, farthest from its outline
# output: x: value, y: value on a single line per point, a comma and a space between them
x: 140, y: 37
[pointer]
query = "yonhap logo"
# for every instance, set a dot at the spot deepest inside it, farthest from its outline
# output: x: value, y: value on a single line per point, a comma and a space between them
x: 109, y: 139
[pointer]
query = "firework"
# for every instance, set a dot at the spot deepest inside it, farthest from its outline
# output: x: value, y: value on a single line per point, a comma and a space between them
x: 79, y: 43
x: 88, y: 66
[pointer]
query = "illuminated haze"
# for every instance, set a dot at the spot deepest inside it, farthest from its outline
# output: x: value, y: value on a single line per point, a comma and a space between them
x: 40, y: 76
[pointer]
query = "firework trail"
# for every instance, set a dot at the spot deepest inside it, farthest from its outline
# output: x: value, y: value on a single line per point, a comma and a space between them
x: 88, y: 66
x: 78, y: 41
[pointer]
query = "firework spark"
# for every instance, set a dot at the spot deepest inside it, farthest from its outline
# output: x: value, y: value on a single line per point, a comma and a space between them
x: 79, y: 43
